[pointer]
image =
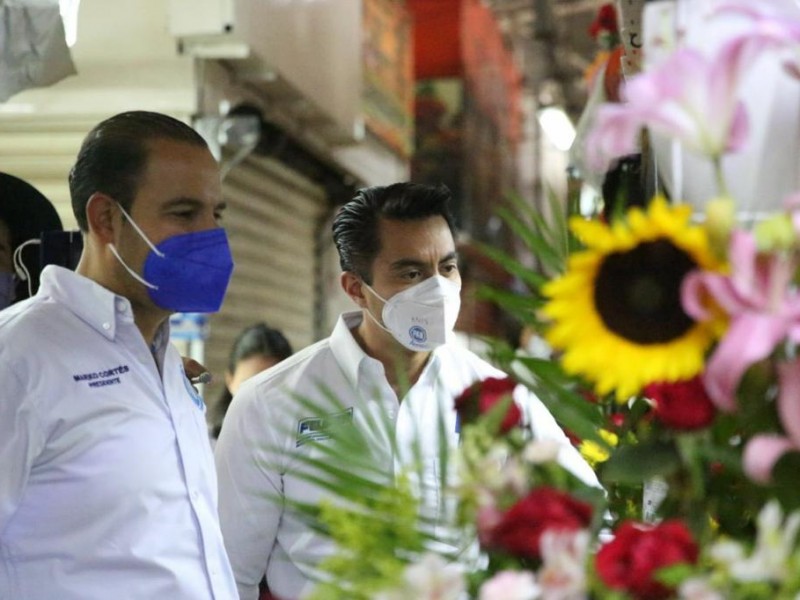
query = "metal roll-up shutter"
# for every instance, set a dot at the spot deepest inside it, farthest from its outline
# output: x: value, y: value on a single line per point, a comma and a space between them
x: 41, y: 150
x: 273, y: 218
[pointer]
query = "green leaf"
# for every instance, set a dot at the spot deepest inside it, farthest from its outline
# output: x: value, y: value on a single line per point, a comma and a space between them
x: 636, y: 464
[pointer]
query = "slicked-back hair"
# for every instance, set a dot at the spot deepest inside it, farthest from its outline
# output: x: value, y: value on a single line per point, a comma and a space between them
x: 355, y: 227
x: 114, y: 154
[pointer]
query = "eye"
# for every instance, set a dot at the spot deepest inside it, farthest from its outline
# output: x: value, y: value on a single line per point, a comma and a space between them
x: 412, y: 275
x: 184, y: 214
x: 449, y: 269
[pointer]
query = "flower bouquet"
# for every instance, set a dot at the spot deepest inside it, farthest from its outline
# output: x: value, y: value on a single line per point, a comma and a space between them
x: 675, y: 335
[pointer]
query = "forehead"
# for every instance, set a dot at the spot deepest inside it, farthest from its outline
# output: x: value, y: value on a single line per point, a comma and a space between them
x: 425, y: 240
x: 177, y: 169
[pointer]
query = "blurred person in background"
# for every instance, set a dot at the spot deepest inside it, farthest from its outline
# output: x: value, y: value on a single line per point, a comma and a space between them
x: 24, y: 215
x: 107, y: 485
x: 256, y: 348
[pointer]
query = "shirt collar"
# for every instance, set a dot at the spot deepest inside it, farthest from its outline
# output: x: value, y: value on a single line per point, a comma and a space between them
x: 353, y: 360
x: 345, y: 348
x: 99, y: 307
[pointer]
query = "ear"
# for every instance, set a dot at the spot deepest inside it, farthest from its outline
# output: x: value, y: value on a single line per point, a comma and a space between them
x: 353, y: 287
x: 101, y: 215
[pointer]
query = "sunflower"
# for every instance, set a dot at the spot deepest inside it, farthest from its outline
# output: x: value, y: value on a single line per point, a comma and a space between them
x: 616, y: 312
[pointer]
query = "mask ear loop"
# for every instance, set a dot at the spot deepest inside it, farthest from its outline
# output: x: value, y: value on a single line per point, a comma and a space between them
x: 19, y: 265
x: 140, y: 232
x: 369, y: 312
x: 147, y: 241
x: 132, y: 273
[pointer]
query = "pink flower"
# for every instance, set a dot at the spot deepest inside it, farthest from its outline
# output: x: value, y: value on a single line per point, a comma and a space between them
x: 429, y: 579
x: 510, y: 585
x: 767, y: 29
x: 763, y: 451
x: 563, y: 572
x: 763, y: 309
x: 688, y: 97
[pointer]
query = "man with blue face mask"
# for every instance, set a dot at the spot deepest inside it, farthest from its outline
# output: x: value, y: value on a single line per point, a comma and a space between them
x: 107, y: 480
x: 395, y: 355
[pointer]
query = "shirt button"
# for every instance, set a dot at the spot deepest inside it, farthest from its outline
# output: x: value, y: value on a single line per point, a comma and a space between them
x: 195, y: 495
x: 106, y: 326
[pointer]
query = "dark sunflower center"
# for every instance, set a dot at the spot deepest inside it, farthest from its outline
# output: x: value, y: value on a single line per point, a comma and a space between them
x: 637, y: 292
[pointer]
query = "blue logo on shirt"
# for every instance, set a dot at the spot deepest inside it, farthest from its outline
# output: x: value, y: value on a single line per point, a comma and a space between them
x: 418, y: 334
x: 319, y: 428
x: 193, y: 393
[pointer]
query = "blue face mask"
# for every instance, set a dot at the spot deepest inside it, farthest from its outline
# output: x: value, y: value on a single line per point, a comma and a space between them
x: 189, y: 272
x: 8, y: 289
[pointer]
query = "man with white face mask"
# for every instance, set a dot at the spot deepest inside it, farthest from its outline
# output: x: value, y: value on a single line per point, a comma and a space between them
x: 395, y: 355
x: 107, y: 484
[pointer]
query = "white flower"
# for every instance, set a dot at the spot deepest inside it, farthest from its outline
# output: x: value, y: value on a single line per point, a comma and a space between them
x: 490, y: 470
x: 430, y: 579
x: 538, y: 452
x: 727, y: 552
x: 698, y: 589
x: 515, y: 477
x: 774, y: 544
x: 510, y: 585
x: 563, y: 572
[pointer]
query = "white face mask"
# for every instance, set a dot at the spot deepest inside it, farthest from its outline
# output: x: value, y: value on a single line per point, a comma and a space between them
x: 421, y: 316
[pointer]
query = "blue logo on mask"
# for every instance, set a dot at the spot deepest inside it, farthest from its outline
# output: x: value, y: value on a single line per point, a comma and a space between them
x: 418, y: 334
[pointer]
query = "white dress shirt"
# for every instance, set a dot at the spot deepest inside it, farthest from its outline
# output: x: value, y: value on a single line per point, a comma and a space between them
x: 265, y: 432
x: 107, y: 485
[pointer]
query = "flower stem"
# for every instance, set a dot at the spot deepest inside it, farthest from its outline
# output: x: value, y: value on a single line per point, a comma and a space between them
x: 722, y: 188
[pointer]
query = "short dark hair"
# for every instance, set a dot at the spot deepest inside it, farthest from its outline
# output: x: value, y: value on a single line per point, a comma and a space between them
x: 355, y: 227
x: 258, y: 339
x: 114, y: 154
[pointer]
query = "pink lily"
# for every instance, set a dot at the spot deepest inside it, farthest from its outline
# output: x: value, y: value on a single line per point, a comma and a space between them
x: 688, y: 97
x: 763, y: 310
x: 763, y: 451
x: 767, y: 29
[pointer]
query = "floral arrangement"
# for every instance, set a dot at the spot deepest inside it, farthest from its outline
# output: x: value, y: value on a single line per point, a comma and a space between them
x: 675, y: 366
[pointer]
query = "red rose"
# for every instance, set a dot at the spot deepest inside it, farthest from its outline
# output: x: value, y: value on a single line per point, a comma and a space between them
x: 682, y: 404
x: 629, y: 561
x: 519, y: 530
x: 481, y: 396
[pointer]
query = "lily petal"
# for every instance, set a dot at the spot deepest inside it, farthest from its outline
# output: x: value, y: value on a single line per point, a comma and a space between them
x: 750, y: 338
x: 761, y: 454
x: 789, y: 399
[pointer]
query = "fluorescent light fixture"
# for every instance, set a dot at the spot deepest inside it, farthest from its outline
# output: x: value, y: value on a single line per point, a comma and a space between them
x: 69, y: 14
x: 557, y: 127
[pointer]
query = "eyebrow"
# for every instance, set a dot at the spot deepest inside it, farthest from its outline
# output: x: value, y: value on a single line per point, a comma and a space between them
x: 193, y: 202
x: 404, y: 263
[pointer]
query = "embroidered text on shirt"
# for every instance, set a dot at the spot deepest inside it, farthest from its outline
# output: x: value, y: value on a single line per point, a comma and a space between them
x: 102, y: 378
